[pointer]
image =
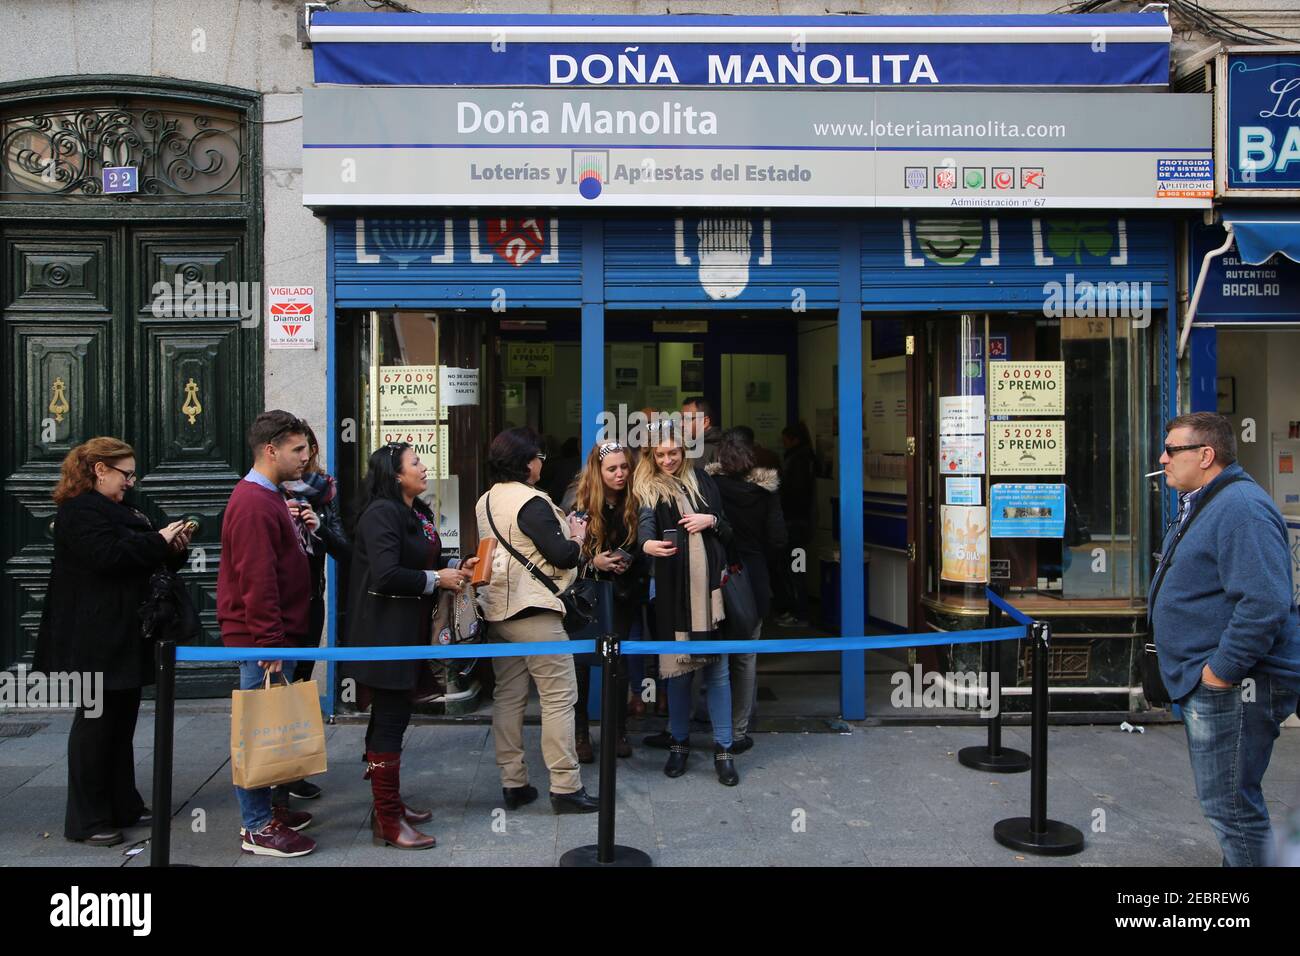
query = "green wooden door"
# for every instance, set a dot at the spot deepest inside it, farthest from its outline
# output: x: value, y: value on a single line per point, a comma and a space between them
x: 85, y: 353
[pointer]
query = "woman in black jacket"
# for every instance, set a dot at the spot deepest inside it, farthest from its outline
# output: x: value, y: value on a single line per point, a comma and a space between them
x: 609, y: 553
x: 104, y: 554
x: 752, y: 505
x: 682, y: 528
x: 397, y: 564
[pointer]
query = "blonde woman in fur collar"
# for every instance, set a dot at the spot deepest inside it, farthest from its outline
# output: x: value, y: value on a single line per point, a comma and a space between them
x: 682, y: 528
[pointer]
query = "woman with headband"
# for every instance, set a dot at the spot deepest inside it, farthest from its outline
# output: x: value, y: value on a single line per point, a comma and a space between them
x: 610, y: 553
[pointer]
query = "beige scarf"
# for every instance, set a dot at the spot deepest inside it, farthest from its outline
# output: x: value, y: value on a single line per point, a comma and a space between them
x: 706, y: 604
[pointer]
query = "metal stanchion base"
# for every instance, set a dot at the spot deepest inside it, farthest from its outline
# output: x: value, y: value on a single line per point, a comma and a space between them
x: 623, y: 856
x: 1005, y: 761
x: 1057, y: 838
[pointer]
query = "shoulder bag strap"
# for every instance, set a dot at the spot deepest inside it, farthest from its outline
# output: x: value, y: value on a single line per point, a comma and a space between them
x: 528, y: 565
x: 1167, y: 559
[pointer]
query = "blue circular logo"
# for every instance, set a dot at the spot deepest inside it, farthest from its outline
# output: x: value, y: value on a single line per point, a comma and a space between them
x: 589, y: 186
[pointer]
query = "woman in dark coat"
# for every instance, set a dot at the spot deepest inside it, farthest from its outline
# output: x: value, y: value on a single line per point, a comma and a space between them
x: 752, y: 504
x: 680, y: 502
x: 104, y: 554
x: 397, y: 564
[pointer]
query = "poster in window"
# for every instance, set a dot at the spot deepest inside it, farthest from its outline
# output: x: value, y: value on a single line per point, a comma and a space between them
x: 408, y: 393
x: 431, y: 443
x: 961, y: 415
x: 1027, y: 448
x: 965, y: 544
x: 1028, y: 388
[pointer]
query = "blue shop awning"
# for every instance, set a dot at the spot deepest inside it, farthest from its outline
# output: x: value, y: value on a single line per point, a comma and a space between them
x: 1262, y: 233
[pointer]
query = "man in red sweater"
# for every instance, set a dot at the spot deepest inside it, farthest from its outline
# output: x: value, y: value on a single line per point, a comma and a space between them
x: 264, y: 595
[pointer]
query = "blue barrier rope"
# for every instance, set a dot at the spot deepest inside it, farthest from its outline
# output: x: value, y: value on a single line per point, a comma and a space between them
x: 430, y: 652
x: 1011, y: 611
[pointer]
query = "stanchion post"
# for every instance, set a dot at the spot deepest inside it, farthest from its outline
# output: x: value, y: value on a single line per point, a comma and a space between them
x: 992, y: 758
x: 606, y: 852
x: 1036, y: 833
x: 164, y: 734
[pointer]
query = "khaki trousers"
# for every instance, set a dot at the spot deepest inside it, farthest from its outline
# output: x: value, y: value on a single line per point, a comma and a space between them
x: 557, y: 688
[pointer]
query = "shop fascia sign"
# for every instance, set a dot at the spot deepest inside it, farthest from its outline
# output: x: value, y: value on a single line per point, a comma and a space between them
x: 1129, y: 50
x: 1257, y: 121
x: 389, y: 146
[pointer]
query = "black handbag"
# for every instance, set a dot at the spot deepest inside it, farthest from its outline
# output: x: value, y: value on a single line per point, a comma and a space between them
x: 1153, y: 685
x: 739, y: 604
x: 167, y: 613
x: 579, y: 598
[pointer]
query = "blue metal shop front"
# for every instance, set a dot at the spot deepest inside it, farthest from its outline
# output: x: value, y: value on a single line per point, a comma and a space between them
x: 854, y: 266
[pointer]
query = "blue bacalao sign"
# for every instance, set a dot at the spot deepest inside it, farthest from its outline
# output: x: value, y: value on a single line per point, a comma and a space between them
x: 1240, y: 292
x: 1263, y: 121
x: 725, y: 51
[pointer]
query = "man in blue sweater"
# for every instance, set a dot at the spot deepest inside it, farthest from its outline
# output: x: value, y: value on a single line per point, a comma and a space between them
x: 1226, y: 632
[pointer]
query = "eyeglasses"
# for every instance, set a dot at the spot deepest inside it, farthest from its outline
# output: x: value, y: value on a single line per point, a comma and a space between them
x: 1172, y: 450
x: 541, y: 455
x: 607, y: 449
x: 395, y: 449
x: 295, y: 427
x: 130, y: 476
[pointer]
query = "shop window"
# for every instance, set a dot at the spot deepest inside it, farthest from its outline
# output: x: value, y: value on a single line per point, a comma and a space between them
x: 420, y: 384
x: 1036, y: 455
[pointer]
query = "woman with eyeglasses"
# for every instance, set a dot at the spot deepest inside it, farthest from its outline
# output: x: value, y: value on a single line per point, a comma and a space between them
x: 397, y: 563
x: 105, y: 551
x: 521, y: 606
x: 609, y: 553
x: 683, y: 529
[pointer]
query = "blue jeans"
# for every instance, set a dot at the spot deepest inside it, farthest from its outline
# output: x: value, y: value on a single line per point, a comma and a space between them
x: 1229, y: 741
x: 254, y: 805
x: 717, y: 682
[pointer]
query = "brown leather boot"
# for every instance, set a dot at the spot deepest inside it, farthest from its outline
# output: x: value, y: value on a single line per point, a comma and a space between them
x: 412, y: 815
x: 389, y: 826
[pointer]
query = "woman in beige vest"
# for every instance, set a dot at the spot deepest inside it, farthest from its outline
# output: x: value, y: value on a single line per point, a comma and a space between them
x: 519, y: 608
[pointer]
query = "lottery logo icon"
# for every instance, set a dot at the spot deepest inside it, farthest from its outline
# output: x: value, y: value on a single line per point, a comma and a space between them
x: 914, y: 177
x: 945, y: 177
x: 1004, y: 177
x: 973, y: 177
x: 1031, y: 177
x: 590, y: 171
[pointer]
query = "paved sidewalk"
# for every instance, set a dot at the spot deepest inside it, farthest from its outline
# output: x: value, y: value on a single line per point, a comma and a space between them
x: 875, y: 796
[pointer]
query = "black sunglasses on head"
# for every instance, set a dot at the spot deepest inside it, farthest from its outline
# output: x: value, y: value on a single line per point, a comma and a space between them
x: 395, y: 449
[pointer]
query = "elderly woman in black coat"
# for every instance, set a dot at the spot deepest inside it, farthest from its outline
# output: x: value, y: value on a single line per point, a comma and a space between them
x: 397, y: 564
x: 104, y: 554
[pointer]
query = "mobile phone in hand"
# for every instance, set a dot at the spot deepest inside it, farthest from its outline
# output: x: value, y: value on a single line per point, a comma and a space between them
x: 621, y: 556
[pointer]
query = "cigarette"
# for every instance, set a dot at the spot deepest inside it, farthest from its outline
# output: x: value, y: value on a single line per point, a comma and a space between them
x: 1154, y: 473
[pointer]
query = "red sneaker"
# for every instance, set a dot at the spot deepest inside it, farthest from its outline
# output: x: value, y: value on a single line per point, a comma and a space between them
x: 294, y: 819
x: 276, y: 839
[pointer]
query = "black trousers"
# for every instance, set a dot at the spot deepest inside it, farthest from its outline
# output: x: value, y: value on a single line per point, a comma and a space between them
x: 101, y: 768
x: 390, y: 714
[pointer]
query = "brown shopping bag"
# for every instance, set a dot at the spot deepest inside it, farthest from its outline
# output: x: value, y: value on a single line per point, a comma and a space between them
x: 276, y: 734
